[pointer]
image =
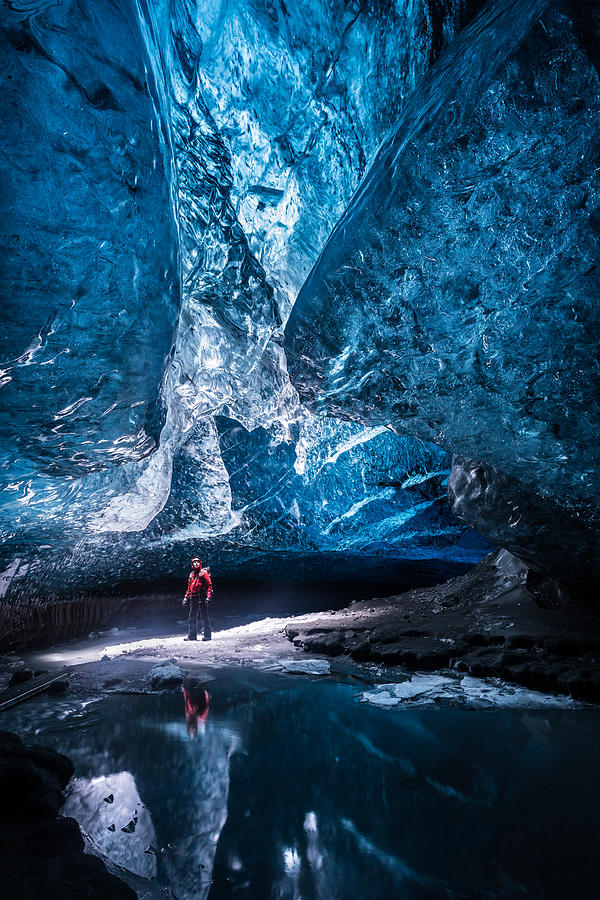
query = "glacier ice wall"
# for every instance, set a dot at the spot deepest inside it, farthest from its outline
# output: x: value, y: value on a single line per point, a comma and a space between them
x: 269, y: 115
x: 174, y: 171
x: 457, y: 297
x: 89, y: 263
x: 562, y: 540
x: 333, y: 487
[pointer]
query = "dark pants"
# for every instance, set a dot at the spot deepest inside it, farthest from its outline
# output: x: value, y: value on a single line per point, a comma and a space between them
x: 195, y: 603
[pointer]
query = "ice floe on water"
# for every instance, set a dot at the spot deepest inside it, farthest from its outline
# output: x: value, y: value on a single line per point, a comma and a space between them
x: 300, y: 666
x: 426, y: 689
x: 305, y: 666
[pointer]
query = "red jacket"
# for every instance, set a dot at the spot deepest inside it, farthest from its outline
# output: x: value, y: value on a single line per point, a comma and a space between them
x: 199, y: 585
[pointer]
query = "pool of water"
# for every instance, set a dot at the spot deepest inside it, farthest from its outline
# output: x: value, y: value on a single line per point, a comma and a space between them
x: 256, y: 785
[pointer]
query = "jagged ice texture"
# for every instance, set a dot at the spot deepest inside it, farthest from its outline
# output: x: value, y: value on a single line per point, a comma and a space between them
x: 173, y: 171
x: 457, y: 298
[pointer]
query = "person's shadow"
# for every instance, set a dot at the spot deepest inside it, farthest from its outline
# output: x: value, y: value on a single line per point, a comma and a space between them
x: 197, y: 705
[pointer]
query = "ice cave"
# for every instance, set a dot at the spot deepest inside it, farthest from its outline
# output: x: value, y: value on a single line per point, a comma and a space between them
x: 300, y: 433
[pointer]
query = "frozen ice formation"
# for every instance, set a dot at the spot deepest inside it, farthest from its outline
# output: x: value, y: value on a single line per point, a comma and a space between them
x: 173, y: 171
x: 425, y: 689
x: 457, y: 297
x: 306, y: 667
x: 89, y: 263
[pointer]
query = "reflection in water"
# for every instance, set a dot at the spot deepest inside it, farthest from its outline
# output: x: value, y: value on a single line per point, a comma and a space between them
x: 197, y: 705
x: 109, y: 809
x: 291, y: 788
x: 187, y: 862
x: 141, y: 784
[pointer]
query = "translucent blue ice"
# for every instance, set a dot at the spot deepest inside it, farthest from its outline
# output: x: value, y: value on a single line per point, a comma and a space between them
x: 457, y: 298
x: 172, y: 172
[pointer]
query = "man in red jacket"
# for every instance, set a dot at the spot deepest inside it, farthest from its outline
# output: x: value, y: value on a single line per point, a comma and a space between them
x: 198, y: 594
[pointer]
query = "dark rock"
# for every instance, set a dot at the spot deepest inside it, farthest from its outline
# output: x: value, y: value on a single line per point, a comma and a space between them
x: 28, y: 792
x: 554, y: 650
x: 58, y: 687
x: 331, y: 642
x: 476, y: 639
x: 525, y: 641
x: 99, y: 884
x: 20, y: 677
x: 427, y: 658
x: 460, y: 666
x: 56, y: 764
x: 513, y: 657
x: 166, y: 675
x: 42, y: 856
x: 57, y: 838
x: 10, y: 744
x: 575, y: 645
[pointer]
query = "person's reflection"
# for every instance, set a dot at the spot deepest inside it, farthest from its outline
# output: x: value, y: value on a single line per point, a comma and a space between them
x: 197, y: 705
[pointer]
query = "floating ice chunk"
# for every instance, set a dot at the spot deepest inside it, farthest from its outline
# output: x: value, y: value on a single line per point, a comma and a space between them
x: 497, y: 693
x: 306, y: 666
x: 383, y: 698
x: 466, y: 691
x: 419, y: 684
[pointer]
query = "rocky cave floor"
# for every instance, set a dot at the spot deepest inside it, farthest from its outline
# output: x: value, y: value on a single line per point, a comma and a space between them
x: 498, y: 620
x: 489, y: 623
x: 488, y: 638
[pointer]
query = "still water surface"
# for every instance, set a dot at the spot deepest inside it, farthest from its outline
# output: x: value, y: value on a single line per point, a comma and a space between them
x: 254, y: 785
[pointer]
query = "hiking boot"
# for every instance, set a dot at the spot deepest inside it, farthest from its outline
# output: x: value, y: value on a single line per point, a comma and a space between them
x: 190, y: 639
x: 207, y: 637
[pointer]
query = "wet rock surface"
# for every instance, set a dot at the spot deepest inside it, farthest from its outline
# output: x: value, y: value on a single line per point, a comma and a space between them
x: 166, y: 675
x: 498, y: 620
x: 20, y: 677
x: 41, y: 854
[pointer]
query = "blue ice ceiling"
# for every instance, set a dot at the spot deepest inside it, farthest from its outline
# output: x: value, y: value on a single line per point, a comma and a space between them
x: 458, y: 295
x: 172, y: 172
